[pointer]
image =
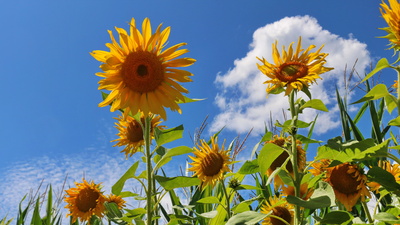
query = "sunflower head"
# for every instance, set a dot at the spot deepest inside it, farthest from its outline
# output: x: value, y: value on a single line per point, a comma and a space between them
x: 141, y: 75
x: 131, y: 132
x: 285, y: 143
x: 294, y: 70
x: 391, y: 14
x: 84, y: 201
x: 394, y: 169
x: 115, y: 199
x: 210, y: 162
x: 348, y: 184
x: 277, y: 207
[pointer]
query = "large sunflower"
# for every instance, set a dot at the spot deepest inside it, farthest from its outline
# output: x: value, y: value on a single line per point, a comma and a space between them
x: 84, y: 201
x: 294, y: 70
x: 392, y: 17
x: 116, y: 199
x: 131, y: 133
x: 210, y: 163
x: 348, y: 184
x: 285, y: 143
x: 278, y: 207
x: 394, y: 169
x: 140, y: 74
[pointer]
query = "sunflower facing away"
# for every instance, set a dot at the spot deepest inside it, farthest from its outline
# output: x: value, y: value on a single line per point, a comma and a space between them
x: 348, y: 184
x: 285, y: 143
x: 210, y: 163
x: 294, y: 69
x: 116, y: 199
x: 392, y: 17
x: 84, y: 201
x: 140, y: 74
x: 394, y: 169
x: 131, y: 133
x: 277, y: 207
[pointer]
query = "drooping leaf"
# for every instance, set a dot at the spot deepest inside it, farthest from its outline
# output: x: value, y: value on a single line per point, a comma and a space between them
x: 246, y: 218
x: 377, y: 92
x: 312, y: 203
x: 383, y: 177
x: 395, y: 122
x: 209, y: 200
x: 268, y: 154
x: 169, y: 183
x: 387, y: 217
x: 382, y: 64
x: 337, y: 217
x: 315, y: 104
x: 130, y: 173
x: 172, y: 152
x: 249, y: 167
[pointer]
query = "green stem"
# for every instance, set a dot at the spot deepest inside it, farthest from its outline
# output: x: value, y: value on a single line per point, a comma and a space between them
x: 398, y: 89
x: 228, y: 205
x: 149, y: 192
x: 297, y: 176
x: 364, y: 205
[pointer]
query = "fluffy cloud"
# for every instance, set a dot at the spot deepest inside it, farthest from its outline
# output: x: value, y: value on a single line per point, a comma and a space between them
x: 242, y: 98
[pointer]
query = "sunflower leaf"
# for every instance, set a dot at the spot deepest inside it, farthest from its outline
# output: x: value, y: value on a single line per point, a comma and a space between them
x: 315, y: 104
x: 209, y: 200
x: 386, y: 217
x: 172, y: 152
x: 382, y: 64
x: 377, y: 92
x: 119, y: 185
x: 249, y: 167
x: 337, y: 217
x: 169, y: 183
x: 384, y: 178
x: 246, y: 218
x: 268, y: 154
x: 168, y: 135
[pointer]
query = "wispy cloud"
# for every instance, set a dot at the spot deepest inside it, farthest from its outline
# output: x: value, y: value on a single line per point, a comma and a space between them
x: 242, y: 98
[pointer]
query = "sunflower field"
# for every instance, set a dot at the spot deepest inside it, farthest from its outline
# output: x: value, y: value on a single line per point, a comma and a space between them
x: 352, y: 179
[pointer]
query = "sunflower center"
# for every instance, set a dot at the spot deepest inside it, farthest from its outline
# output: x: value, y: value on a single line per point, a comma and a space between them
x: 281, y: 212
x: 142, y: 71
x: 344, y: 182
x: 291, y: 71
x: 87, y: 199
x: 135, y: 132
x: 212, y: 164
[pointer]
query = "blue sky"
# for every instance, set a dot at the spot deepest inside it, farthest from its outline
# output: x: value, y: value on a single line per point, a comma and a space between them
x: 51, y: 125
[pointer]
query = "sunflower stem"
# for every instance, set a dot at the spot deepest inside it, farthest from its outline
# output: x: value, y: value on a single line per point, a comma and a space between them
x: 149, y: 192
x: 397, y: 68
x: 297, y: 176
x: 366, y: 210
x: 228, y: 207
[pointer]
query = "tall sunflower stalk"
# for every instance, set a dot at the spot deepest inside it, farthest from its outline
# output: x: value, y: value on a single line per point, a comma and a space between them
x: 150, y: 176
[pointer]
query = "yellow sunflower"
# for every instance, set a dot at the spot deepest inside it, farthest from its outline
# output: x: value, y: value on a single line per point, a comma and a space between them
x: 396, y: 84
x: 320, y: 166
x: 140, y: 74
x: 277, y: 207
x: 116, y: 199
x: 84, y: 201
x: 348, y: 184
x: 131, y: 133
x: 294, y: 70
x: 210, y: 162
x: 392, y: 17
x: 394, y: 169
x: 285, y: 143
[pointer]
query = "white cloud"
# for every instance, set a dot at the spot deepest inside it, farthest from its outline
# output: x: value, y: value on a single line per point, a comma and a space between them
x: 242, y: 98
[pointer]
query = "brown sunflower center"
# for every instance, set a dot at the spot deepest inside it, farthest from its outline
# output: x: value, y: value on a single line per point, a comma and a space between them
x: 344, y: 182
x: 134, y: 132
x: 212, y: 164
x: 291, y: 71
x: 281, y: 212
x: 87, y: 199
x: 142, y: 71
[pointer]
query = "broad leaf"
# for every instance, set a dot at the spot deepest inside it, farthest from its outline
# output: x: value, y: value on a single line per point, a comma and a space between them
x: 168, y: 135
x: 119, y: 185
x: 315, y: 104
x: 382, y: 64
x: 169, y: 183
x: 246, y: 218
x: 268, y: 154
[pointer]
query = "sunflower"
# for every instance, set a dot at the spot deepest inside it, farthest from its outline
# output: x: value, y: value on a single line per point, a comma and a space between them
x: 294, y: 70
x: 394, y: 169
x: 392, y: 17
x: 84, y: 201
x: 278, y: 207
x: 348, y: 184
x: 210, y: 163
x: 116, y: 199
x: 285, y: 143
x: 131, y: 132
x: 320, y: 166
x: 140, y: 74
x: 396, y: 84
x: 305, y: 192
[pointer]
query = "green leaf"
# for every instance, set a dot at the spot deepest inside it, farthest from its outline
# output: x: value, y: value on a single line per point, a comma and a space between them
x: 209, y: 200
x: 246, y: 218
x: 249, y: 167
x: 268, y: 154
x: 172, y: 152
x: 119, y: 185
x: 386, y: 217
x: 382, y: 64
x: 395, y: 122
x: 169, y: 183
x: 384, y: 178
x: 391, y: 102
x: 324, y: 189
x: 306, y: 140
x: 241, y: 207
x: 312, y: 203
x: 36, y: 220
x: 125, y: 194
x: 188, y: 100
x: 315, y: 104
x: 337, y: 217
x: 133, y: 213
x: 168, y: 135
x: 377, y: 92
x: 209, y: 215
